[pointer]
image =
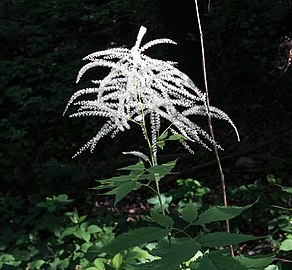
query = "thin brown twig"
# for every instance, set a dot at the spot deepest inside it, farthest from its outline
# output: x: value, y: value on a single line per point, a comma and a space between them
x: 223, y: 185
x: 283, y: 260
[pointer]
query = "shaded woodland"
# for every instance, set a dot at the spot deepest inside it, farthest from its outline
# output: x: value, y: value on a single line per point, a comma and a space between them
x: 248, y: 46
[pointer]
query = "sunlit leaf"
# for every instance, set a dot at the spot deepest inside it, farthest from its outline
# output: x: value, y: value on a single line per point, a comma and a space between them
x: 286, y: 245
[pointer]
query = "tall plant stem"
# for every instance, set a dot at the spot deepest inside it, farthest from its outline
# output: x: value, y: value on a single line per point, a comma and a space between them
x: 222, y: 178
x: 153, y: 158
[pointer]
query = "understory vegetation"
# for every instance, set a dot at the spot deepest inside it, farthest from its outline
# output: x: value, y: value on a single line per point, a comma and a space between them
x: 131, y: 203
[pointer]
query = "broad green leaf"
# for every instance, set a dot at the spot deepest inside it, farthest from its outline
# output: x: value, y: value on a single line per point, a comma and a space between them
x: 94, y: 229
x: 171, y: 255
x: 161, y: 170
x: 142, y: 254
x: 85, y: 246
x: 78, y: 233
x: 165, y: 199
x: 124, y: 189
x: 37, y: 264
x: 67, y: 231
x: 82, y: 218
x: 189, y: 213
x: 136, y: 167
x: 219, y: 239
x: 62, y: 198
x: 85, y: 236
x: 273, y: 267
x: 256, y: 262
x: 219, y: 213
x: 163, y: 220
x: 134, y: 238
x: 114, y: 181
x: 177, y: 137
x: 117, y: 261
x: 286, y: 189
x: 271, y: 179
x: 286, y: 245
x: 213, y: 261
x: 207, y: 264
x: 98, y: 263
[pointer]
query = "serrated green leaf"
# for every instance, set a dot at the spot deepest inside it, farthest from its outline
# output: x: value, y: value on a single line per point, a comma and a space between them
x: 134, y: 238
x: 206, y: 263
x: 219, y: 213
x: 163, y: 220
x: 189, y: 213
x: 171, y: 256
x: 136, y: 167
x: 286, y: 245
x: 256, y: 262
x: 219, y: 239
x: 160, y: 170
x: 117, y: 261
x: 226, y: 262
x: 124, y: 189
x: 213, y: 261
x: 111, y: 182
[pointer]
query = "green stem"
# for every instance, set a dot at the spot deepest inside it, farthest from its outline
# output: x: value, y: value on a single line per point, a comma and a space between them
x: 153, y: 159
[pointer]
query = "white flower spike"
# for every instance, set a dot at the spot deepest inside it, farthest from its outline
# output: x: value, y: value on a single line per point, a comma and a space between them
x: 137, y: 86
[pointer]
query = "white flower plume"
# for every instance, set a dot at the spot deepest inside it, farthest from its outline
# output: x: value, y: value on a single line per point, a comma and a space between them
x: 137, y: 86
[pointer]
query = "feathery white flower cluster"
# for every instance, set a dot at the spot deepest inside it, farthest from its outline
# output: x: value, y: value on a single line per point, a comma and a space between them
x: 137, y: 86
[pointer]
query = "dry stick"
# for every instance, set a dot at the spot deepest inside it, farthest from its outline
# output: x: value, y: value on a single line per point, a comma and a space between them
x: 210, y: 122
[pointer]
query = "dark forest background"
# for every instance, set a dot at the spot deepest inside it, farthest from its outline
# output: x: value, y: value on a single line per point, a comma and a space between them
x: 42, y: 43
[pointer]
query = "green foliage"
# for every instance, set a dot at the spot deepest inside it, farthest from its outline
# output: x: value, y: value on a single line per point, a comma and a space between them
x: 273, y: 205
x: 40, y: 42
x: 134, y: 238
x: 172, y: 254
x: 219, y: 213
x: 55, y: 241
x: 122, y: 185
x: 189, y: 212
x: 218, y: 239
x: 173, y: 250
